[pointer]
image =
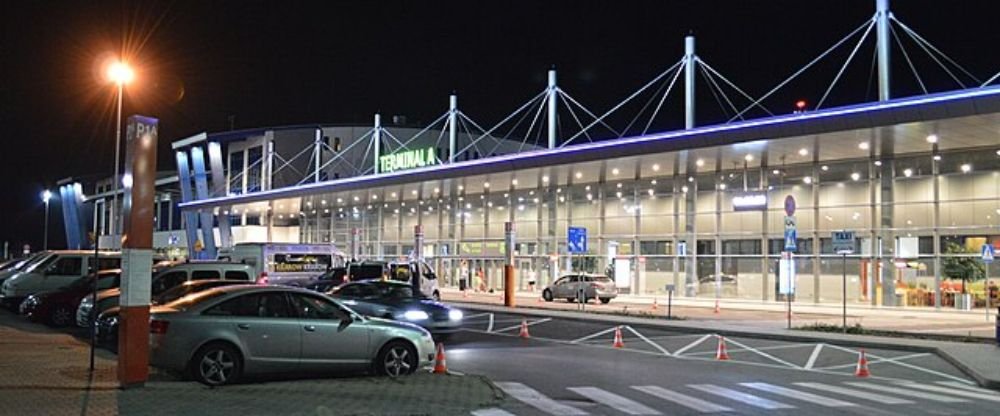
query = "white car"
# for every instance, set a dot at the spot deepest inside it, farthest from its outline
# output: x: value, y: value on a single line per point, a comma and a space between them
x: 58, y: 269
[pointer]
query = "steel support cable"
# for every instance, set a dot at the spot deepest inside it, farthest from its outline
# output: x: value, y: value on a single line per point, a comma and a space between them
x: 909, y: 62
x: 993, y: 78
x: 577, y: 119
x: 463, y: 119
x: 871, y: 74
x: 844, y: 66
x: 935, y: 58
x: 642, y: 110
x: 467, y: 131
x: 289, y: 161
x: 585, y: 110
x: 426, y: 129
x: 506, y: 119
x: 531, y: 126
x: 339, y: 158
x: 629, y: 98
x: 516, y: 125
x: 368, y: 150
x: 663, y: 98
x: 917, y: 36
x: 731, y: 84
x: 867, y: 23
x: 711, y: 83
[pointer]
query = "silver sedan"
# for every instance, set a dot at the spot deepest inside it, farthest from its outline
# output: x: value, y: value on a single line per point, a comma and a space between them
x: 594, y: 286
x: 219, y: 335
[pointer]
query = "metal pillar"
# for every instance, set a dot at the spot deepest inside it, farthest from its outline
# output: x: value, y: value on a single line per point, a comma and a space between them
x: 882, y: 42
x: 219, y: 185
x: 552, y: 109
x: 452, y: 127
x: 508, y: 269
x: 318, y: 152
x: 377, y: 137
x: 689, y: 74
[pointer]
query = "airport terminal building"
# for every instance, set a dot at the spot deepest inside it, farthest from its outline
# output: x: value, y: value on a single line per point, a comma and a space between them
x: 917, y: 181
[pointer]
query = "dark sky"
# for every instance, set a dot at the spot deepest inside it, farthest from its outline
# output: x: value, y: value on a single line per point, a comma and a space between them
x: 287, y: 62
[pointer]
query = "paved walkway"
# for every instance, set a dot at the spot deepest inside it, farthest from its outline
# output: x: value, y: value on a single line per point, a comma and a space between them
x: 771, y: 315
x: 45, y: 372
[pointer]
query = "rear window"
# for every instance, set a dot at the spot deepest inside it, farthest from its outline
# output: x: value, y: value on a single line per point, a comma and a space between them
x: 236, y: 275
x: 366, y: 271
x: 205, y: 275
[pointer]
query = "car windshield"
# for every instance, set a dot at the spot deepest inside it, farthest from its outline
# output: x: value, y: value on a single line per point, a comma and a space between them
x: 39, y: 264
x: 395, y: 291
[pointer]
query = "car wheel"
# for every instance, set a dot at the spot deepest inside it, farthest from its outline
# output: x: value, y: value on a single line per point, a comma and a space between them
x: 605, y: 300
x: 396, y: 358
x: 547, y: 295
x: 60, y: 316
x: 216, y: 365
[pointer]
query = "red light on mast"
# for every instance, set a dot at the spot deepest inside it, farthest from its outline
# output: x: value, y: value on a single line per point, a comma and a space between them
x: 800, y: 105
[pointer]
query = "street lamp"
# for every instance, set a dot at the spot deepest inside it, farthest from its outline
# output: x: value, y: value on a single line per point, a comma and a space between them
x: 120, y: 74
x: 46, y: 196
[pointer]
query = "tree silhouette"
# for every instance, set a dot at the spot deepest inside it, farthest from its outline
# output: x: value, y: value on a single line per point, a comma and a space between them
x: 965, y: 268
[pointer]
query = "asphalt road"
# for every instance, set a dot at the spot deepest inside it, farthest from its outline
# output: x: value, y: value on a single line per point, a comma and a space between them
x: 569, y: 367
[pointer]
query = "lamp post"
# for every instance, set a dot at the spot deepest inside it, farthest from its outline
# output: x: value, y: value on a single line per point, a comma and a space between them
x: 120, y: 74
x: 46, y: 196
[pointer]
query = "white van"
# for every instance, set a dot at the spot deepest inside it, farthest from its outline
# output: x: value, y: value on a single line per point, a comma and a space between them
x: 285, y: 263
x: 57, y: 269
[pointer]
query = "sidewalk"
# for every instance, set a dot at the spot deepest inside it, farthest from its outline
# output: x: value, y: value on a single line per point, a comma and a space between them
x: 45, y: 372
x: 979, y: 360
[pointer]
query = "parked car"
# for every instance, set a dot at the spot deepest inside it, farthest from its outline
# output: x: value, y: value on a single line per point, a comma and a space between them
x: 396, y: 300
x: 57, y: 269
x: 163, y: 280
x: 284, y: 263
x: 219, y: 335
x: 595, y: 286
x: 107, y: 321
x: 401, y: 271
x: 329, y: 280
x: 14, y: 266
x: 56, y: 307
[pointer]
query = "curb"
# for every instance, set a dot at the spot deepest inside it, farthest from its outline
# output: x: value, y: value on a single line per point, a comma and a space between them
x: 845, y: 340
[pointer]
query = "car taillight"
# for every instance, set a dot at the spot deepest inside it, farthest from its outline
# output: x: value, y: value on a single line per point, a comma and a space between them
x: 595, y: 285
x: 262, y: 279
x: 158, y: 327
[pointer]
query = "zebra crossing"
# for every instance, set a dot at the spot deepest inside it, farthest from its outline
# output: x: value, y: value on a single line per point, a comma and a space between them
x: 739, y: 397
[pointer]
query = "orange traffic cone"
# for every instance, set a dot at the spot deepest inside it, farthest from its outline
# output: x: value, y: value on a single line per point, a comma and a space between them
x: 862, y: 369
x: 524, y: 329
x: 717, y: 309
x: 440, y: 367
x: 655, y: 306
x: 618, y: 338
x: 721, y: 353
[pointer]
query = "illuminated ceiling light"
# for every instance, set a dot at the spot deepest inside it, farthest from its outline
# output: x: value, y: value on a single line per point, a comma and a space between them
x: 562, y: 198
x: 998, y: 152
x: 776, y: 172
x: 651, y: 192
x: 863, y: 146
x: 586, y: 188
x: 460, y: 187
x: 514, y: 182
x: 536, y: 200
x: 323, y: 202
x: 393, y: 195
x: 437, y: 190
x: 545, y: 178
x: 932, y: 138
x: 825, y: 168
x: 937, y: 158
x: 653, y: 182
x: 807, y: 180
x: 614, y: 171
x: 520, y: 207
x: 326, y: 211
x: 684, y: 188
x: 907, y: 172
x: 803, y: 151
x: 855, y: 176
x: 748, y: 158
x: 590, y: 197
x: 618, y: 194
x: 413, y: 192
x: 558, y: 190
x: 357, y: 198
x: 722, y: 186
x: 579, y: 175
x: 690, y: 178
x: 966, y: 168
x: 699, y: 163
x: 619, y: 186
x: 531, y: 192
x: 878, y: 163
x: 656, y: 167
x: 486, y: 184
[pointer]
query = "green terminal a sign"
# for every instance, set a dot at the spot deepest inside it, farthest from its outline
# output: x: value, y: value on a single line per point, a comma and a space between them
x: 407, y: 159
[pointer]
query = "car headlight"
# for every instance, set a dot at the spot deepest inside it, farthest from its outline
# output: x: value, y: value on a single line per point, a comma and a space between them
x: 87, y: 301
x: 455, y: 315
x: 415, y: 315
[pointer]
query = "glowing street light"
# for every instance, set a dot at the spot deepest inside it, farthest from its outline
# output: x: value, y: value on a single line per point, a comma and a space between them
x: 46, y: 197
x: 119, y: 73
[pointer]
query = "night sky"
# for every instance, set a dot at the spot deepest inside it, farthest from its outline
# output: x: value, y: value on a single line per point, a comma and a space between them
x: 269, y: 63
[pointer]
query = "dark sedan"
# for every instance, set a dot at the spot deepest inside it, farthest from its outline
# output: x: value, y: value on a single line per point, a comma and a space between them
x: 396, y: 300
x: 107, y: 322
x: 58, y: 307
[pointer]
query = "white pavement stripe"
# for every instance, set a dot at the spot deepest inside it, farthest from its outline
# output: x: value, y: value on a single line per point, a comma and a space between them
x: 518, y: 326
x: 614, y: 401
x: 537, y: 400
x: 490, y: 327
x: 902, y: 364
x: 691, y: 345
x: 796, y: 394
x: 683, y: 399
x: 643, y: 337
x: 966, y: 387
x: 492, y: 412
x: 761, y: 353
x: 859, y: 394
x: 814, y: 356
x: 953, y: 391
x: 593, y: 335
x: 894, y: 360
x: 740, y: 396
x: 907, y: 392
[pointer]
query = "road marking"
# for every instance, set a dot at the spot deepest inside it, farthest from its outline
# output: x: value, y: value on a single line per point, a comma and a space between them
x: 519, y: 325
x: 490, y: 327
x: 740, y: 396
x: 537, y: 400
x: 761, y: 353
x: 614, y: 401
x: 966, y: 387
x: 900, y: 363
x: 643, y: 337
x: 691, y: 345
x: 738, y: 349
x: 953, y: 391
x: 492, y: 412
x: 893, y: 360
x: 812, y: 358
x: 593, y: 335
x: 796, y: 394
x: 875, y: 397
x: 476, y: 315
x: 683, y: 399
x: 906, y: 392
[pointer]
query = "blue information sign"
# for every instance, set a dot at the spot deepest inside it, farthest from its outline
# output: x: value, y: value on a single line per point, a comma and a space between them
x: 577, y: 240
x: 987, y: 253
x: 790, y: 234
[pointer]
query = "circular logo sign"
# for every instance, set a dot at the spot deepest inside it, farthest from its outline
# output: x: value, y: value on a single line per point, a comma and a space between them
x: 789, y: 205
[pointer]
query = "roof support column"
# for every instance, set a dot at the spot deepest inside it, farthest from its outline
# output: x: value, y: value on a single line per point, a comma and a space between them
x: 452, y: 127
x: 552, y: 108
x: 689, y: 62
x: 882, y: 40
x: 377, y: 138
